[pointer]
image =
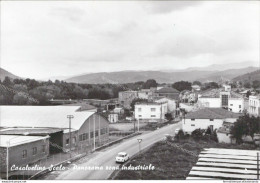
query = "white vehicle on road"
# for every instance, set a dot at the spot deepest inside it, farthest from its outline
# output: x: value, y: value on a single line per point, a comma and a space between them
x: 122, y: 157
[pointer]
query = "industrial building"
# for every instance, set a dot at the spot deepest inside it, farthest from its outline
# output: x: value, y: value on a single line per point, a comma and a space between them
x: 85, y: 128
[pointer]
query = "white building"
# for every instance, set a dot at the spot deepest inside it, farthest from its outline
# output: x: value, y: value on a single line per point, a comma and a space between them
x: 171, y: 104
x: 223, y: 99
x: 113, y: 118
x: 254, y: 105
x: 150, y: 111
x: 207, y: 117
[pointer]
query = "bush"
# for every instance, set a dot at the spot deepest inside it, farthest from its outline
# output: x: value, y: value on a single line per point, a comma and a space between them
x: 197, y: 134
x: 180, y: 135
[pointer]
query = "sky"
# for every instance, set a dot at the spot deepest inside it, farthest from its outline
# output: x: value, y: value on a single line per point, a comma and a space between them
x: 65, y: 38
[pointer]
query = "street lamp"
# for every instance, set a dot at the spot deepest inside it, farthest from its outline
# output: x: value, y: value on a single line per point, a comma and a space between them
x: 7, y: 154
x: 139, y: 142
x: 70, y: 117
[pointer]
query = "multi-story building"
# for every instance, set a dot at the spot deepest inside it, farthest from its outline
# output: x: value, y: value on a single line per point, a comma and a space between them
x: 125, y: 98
x: 150, y: 111
x: 254, y: 105
x: 223, y: 99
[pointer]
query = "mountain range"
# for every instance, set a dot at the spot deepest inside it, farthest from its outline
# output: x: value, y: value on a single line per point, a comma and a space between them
x: 216, y: 72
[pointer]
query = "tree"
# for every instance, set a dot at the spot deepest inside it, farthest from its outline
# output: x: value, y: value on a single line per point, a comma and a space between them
x: 7, y: 82
x: 211, y: 85
x: 256, y: 84
x: 182, y: 85
x: 149, y: 83
x: 245, y: 125
x: 168, y: 116
x: 247, y: 85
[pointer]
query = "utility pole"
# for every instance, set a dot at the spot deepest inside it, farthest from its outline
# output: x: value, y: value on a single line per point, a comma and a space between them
x: 257, y: 166
x: 70, y: 117
x: 94, y: 132
x: 138, y: 124
x: 7, y: 160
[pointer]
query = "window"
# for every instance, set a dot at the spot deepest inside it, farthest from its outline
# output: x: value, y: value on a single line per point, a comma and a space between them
x: 153, y: 109
x: 43, y: 148
x: 231, y: 104
x: 211, y: 119
x: 239, y: 106
x: 192, y: 124
x: 73, y: 140
x: 139, y: 109
x: 96, y: 133
x: 139, y: 116
x: 81, y: 137
x: 34, y: 150
x: 224, y: 100
x: 91, y: 134
x: 192, y: 119
x: 24, y: 153
x: 103, y: 131
x: 67, y: 141
x: 153, y: 116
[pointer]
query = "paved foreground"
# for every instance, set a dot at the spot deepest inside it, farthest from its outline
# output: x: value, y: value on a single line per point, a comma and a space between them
x: 106, y: 159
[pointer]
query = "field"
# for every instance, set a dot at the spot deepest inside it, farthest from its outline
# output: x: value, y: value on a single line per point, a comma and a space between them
x: 172, y: 160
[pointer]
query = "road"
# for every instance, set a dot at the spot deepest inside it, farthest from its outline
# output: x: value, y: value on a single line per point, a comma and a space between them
x: 106, y: 159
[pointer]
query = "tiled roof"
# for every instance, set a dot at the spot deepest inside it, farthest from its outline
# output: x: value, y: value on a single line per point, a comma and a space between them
x: 211, y: 113
x: 215, y: 93
x: 167, y: 90
x: 42, y: 116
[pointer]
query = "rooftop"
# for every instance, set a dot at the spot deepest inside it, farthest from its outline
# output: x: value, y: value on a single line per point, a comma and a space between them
x: 215, y: 93
x: 212, y: 113
x: 18, y: 140
x: 42, y: 116
x: 30, y: 131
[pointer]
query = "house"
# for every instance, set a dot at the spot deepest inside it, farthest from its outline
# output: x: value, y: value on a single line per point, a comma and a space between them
x: 229, y: 100
x: 150, y: 111
x: 254, y: 105
x: 118, y: 110
x: 88, y: 129
x: 168, y: 92
x: 188, y: 107
x: 18, y: 151
x: 207, y: 117
x: 113, y: 118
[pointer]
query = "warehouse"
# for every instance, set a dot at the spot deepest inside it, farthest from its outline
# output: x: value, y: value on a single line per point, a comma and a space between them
x: 88, y: 129
x: 21, y: 150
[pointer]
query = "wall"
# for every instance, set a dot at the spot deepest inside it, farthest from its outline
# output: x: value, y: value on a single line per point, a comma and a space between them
x: 210, y: 102
x: 200, y: 123
x: 224, y: 138
x: 171, y: 104
x: 236, y: 105
x: 88, y: 127
x: 254, y: 106
x: 16, y: 154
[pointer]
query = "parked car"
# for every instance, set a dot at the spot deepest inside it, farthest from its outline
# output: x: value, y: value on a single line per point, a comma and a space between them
x: 122, y: 157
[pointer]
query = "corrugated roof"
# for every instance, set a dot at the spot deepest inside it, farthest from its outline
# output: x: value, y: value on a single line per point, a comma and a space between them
x: 167, y: 90
x: 30, y: 131
x: 42, y: 116
x: 15, y: 140
x: 211, y: 113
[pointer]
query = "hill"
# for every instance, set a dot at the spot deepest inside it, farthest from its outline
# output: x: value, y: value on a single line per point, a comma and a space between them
x: 159, y: 76
x: 4, y: 73
x: 248, y: 77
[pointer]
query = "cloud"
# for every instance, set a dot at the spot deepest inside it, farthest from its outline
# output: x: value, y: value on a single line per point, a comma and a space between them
x: 162, y: 7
